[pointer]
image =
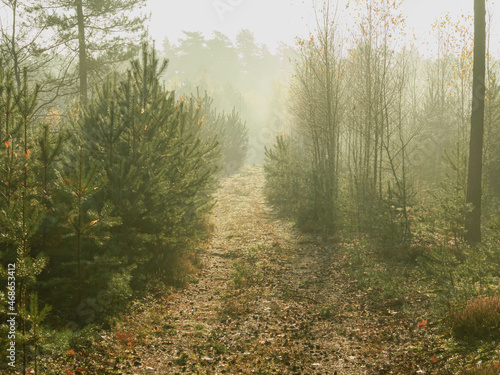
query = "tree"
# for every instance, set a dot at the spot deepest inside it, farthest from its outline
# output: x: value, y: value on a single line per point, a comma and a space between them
x: 21, y: 48
x: 473, y: 220
x: 190, y: 55
x: 249, y: 56
x: 225, y: 65
x: 20, y: 209
x: 319, y: 111
x: 100, y: 32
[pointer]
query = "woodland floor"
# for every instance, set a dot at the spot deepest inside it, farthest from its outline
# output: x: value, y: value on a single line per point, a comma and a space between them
x: 266, y: 300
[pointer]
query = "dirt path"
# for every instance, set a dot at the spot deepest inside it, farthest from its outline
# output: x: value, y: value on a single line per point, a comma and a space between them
x: 266, y: 301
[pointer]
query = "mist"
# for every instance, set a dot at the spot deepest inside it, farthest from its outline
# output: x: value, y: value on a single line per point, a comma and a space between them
x: 236, y: 187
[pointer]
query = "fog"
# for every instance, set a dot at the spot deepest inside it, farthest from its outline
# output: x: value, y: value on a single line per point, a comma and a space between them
x: 240, y: 187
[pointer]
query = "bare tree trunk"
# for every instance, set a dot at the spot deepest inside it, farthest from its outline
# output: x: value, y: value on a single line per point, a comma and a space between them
x: 82, y: 51
x: 473, y: 220
x: 17, y: 69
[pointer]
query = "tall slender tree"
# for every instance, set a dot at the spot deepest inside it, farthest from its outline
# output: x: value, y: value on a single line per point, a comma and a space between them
x: 473, y: 221
x: 99, y: 32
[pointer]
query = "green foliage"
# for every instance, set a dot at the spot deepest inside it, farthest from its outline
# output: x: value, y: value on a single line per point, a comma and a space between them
x: 110, y: 200
x: 228, y: 129
x: 21, y: 210
x: 112, y: 31
x: 37, y: 334
x: 283, y: 183
x: 460, y: 275
x: 390, y: 225
x: 491, y: 165
x: 232, y: 134
x: 245, y: 275
x: 451, y: 199
x: 144, y: 175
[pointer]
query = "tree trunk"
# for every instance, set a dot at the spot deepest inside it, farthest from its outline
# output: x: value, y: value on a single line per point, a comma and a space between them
x: 82, y: 51
x: 473, y: 220
x: 15, y: 58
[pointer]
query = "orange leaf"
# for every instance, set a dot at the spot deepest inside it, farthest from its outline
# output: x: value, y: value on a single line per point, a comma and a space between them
x: 26, y: 155
x: 7, y: 144
x: 423, y: 323
x: 434, y: 359
x: 71, y: 352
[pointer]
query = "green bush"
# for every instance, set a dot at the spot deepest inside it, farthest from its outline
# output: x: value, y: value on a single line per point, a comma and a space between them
x: 286, y: 187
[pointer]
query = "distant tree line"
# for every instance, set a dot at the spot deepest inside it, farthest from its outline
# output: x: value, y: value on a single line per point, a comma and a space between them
x: 241, y: 74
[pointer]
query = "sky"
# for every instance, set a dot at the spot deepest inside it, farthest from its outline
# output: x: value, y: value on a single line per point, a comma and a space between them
x: 273, y: 21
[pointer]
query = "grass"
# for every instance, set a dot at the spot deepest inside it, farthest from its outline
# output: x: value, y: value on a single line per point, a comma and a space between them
x: 328, y: 312
x: 493, y: 369
x: 248, y: 271
x: 245, y: 275
x: 455, y: 291
x: 480, y: 318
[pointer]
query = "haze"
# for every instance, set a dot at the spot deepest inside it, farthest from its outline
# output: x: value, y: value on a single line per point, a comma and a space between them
x: 283, y: 20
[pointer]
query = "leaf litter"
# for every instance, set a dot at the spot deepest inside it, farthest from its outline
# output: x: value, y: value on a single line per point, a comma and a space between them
x: 268, y: 300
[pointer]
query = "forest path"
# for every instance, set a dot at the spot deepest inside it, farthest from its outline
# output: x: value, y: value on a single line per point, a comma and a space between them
x: 266, y: 301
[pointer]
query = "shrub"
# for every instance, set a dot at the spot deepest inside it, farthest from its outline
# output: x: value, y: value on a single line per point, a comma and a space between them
x: 287, y: 184
x: 478, y: 319
x: 229, y: 130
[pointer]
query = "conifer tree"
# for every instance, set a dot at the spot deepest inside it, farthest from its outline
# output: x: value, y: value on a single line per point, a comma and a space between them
x: 20, y: 208
x: 156, y: 164
x: 101, y: 32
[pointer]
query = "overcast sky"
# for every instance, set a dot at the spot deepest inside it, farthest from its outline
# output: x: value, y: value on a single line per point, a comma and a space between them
x: 272, y: 21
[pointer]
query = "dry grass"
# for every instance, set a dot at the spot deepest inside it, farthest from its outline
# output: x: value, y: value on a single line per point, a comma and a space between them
x: 478, y: 319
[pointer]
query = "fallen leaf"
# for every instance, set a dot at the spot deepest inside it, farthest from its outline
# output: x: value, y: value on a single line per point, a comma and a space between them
x: 423, y: 323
